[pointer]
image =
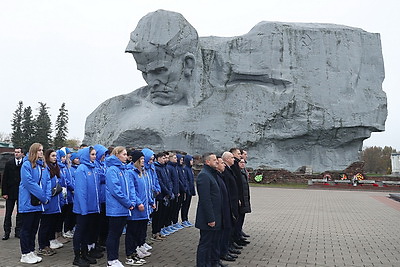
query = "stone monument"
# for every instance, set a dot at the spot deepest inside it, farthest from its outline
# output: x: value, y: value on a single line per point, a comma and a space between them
x: 291, y: 94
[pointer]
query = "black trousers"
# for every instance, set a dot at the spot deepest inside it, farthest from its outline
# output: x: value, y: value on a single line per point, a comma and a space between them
x: 135, y: 235
x: 185, y: 207
x: 29, y: 228
x: 103, y: 225
x: 116, y: 226
x: 10, y: 204
x: 176, y: 207
x: 208, y: 251
x: 84, y: 230
x: 70, y: 217
x: 47, y: 229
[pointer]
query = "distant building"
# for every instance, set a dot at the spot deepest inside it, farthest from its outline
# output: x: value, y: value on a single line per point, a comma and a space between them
x: 6, y: 147
x: 395, y: 157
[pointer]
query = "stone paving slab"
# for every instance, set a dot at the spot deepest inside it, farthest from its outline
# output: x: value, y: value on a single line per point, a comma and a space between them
x: 288, y: 227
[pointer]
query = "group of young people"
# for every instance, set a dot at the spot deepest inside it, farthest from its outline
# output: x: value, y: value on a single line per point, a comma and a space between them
x: 96, y: 194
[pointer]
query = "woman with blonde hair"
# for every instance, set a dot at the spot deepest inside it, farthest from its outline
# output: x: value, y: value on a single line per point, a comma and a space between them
x: 120, y: 201
x: 34, y: 193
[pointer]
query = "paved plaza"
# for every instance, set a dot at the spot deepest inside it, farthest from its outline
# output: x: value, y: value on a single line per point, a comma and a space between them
x: 288, y: 227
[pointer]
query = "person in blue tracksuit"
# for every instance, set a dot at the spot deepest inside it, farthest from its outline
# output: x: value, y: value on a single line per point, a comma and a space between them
x: 52, y: 210
x: 86, y: 205
x: 174, y: 177
x: 190, y: 192
x: 120, y: 201
x: 35, y: 181
x: 161, y: 220
x: 137, y: 223
x: 102, y: 223
x: 70, y: 217
x: 63, y: 180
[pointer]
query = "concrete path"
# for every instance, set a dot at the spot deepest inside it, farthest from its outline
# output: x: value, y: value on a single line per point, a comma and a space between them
x: 288, y: 227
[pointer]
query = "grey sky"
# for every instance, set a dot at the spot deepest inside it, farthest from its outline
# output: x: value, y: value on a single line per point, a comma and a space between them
x: 73, y: 51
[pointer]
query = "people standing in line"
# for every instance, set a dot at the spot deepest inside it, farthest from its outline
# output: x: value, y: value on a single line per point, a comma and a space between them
x: 237, y: 235
x: 95, y: 246
x: 208, y: 214
x: 174, y: 177
x: 63, y: 181
x: 70, y: 217
x: 52, y: 210
x: 161, y: 220
x: 34, y: 193
x: 135, y: 237
x: 183, y: 189
x: 120, y: 201
x: 154, y: 188
x: 226, y: 225
x: 86, y: 206
x: 191, y: 191
x: 10, y: 188
x: 245, y: 207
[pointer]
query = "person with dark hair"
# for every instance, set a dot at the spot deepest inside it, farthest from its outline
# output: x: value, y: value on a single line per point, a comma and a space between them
x: 9, y: 189
x: 174, y: 178
x: 86, y: 206
x: 34, y: 193
x: 245, y: 207
x: 191, y: 191
x: 52, y: 210
x: 135, y: 237
x: 161, y: 219
x: 95, y: 249
x: 120, y: 202
x: 62, y: 181
x: 183, y: 188
x: 208, y: 215
x: 70, y: 217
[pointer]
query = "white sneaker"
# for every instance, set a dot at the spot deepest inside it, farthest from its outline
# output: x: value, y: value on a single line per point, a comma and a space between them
x: 54, y: 244
x: 68, y: 234
x: 27, y: 258
x: 147, y: 246
x: 35, y: 256
x: 114, y: 263
x: 142, y: 253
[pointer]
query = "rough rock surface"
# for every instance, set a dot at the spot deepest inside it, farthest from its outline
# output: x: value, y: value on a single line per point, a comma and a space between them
x: 291, y: 94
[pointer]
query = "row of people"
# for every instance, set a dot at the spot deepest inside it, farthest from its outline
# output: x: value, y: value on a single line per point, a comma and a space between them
x: 101, y: 185
x: 224, y: 199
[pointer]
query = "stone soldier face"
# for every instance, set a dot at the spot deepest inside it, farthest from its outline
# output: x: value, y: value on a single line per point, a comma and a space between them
x: 165, y: 75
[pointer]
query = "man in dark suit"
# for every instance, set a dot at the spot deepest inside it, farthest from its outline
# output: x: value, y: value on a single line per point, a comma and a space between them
x: 9, y: 189
x: 208, y: 215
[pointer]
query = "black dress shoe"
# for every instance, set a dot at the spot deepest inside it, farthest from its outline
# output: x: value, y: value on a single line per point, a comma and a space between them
x: 232, y: 255
x: 244, y: 240
x: 244, y: 234
x: 227, y: 258
x: 241, y: 243
x: 6, y: 236
x: 234, y: 251
x: 236, y: 246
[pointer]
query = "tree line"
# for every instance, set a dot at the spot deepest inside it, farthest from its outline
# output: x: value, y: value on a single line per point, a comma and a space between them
x: 377, y: 159
x: 27, y: 129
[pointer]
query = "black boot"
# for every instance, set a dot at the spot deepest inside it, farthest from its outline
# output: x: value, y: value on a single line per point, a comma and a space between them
x: 78, y: 260
x: 94, y: 253
x: 86, y: 257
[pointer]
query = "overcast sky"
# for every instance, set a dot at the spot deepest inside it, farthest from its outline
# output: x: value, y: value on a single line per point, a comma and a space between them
x: 56, y: 51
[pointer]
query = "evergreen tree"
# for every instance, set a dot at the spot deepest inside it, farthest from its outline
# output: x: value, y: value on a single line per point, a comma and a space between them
x: 61, y: 127
x: 17, y: 136
x: 43, y: 126
x: 28, y: 128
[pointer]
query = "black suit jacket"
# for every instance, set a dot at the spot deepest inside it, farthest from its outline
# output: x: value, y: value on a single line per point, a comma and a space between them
x: 209, y: 207
x: 11, y: 179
